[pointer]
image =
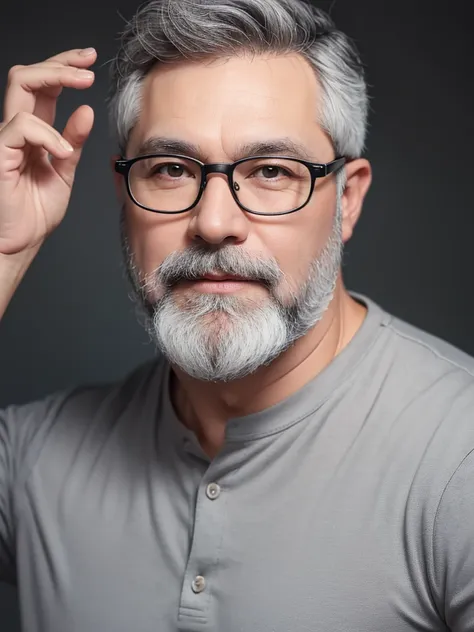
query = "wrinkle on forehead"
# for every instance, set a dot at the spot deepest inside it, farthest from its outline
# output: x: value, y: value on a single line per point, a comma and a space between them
x: 233, y: 101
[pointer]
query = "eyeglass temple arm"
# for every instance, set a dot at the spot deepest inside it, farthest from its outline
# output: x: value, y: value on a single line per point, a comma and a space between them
x: 121, y: 165
x: 325, y: 170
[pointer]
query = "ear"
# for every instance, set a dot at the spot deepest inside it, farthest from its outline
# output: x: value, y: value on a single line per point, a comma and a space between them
x: 118, y: 179
x: 359, y: 178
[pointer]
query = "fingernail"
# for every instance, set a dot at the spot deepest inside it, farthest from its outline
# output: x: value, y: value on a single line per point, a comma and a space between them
x: 85, y: 52
x: 85, y: 74
x: 66, y: 145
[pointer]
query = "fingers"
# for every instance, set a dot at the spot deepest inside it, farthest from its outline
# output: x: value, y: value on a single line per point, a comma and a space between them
x: 30, y: 106
x: 25, y: 129
x: 78, y: 57
x: 25, y: 82
x: 77, y: 131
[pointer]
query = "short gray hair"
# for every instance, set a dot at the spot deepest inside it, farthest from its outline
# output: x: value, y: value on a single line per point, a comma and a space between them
x: 172, y: 30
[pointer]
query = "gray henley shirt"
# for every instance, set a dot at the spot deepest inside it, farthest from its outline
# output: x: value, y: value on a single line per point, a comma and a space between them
x: 348, y: 507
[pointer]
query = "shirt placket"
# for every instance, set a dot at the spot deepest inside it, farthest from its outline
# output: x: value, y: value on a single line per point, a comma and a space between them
x: 197, y: 600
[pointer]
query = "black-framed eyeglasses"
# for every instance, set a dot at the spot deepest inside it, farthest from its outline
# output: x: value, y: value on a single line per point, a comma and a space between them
x: 262, y: 185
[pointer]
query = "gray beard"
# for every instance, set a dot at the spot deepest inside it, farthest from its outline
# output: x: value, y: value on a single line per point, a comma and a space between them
x: 220, y: 338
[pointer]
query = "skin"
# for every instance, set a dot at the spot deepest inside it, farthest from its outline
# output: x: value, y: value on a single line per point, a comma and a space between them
x: 218, y: 106
x: 35, y: 191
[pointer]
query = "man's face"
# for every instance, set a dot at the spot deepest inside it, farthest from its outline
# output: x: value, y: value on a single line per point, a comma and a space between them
x: 215, y: 330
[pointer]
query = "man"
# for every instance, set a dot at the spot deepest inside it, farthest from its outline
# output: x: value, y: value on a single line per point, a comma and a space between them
x: 296, y: 459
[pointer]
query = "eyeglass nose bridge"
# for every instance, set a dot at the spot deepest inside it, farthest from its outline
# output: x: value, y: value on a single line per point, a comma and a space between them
x: 217, y: 167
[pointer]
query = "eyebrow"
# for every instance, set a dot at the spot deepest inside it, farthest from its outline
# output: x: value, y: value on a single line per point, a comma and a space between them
x: 163, y: 145
x: 276, y: 146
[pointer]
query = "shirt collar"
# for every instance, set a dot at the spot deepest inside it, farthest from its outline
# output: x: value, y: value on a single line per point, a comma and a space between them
x: 304, y: 402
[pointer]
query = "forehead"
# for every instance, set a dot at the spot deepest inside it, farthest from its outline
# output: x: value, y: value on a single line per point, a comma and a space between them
x: 236, y: 100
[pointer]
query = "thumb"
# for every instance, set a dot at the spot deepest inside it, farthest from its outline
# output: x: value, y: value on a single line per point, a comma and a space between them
x: 76, y: 132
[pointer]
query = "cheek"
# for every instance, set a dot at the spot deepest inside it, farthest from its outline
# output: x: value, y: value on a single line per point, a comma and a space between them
x: 297, y: 240
x: 152, y: 237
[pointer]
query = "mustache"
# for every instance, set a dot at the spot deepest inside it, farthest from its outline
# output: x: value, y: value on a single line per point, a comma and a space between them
x: 196, y: 261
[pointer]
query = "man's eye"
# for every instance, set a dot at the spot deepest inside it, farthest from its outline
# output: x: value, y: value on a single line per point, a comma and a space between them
x: 169, y: 169
x: 271, y: 172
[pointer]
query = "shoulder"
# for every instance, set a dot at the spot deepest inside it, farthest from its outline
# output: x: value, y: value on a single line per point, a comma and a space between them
x: 424, y: 390
x: 426, y: 415
x: 418, y: 362
x: 422, y: 347
x: 439, y: 377
x: 64, y: 417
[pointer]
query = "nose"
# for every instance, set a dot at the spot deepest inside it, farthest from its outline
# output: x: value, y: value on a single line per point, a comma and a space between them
x: 217, y: 218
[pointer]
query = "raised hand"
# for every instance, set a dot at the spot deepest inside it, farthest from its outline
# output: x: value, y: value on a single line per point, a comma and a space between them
x: 37, y: 163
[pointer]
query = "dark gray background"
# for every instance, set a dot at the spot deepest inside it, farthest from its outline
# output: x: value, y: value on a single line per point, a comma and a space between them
x: 71, y: 320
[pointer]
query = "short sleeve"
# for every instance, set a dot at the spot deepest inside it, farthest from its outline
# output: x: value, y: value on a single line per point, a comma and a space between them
x: 22, y: 432
x: 453, y: 549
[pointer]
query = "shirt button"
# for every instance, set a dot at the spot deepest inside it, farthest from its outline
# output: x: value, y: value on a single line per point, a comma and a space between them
x: 213, y: 491
x: 199, y: 583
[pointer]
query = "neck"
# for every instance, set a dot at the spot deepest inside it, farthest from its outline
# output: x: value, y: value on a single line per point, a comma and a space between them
x: 205, y: 407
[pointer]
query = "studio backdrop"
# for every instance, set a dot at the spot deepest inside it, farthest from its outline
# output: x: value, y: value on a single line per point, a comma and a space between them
x: 72, y: 322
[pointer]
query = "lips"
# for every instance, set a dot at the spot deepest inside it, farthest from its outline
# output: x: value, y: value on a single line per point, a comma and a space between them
x: 221, y: 277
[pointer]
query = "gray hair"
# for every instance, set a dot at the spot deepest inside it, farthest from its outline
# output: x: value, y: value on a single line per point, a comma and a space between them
x: 172, y: 30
